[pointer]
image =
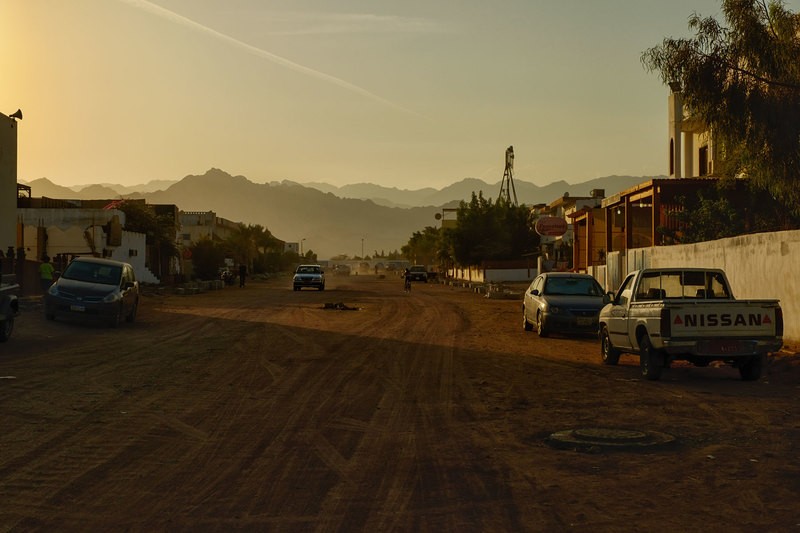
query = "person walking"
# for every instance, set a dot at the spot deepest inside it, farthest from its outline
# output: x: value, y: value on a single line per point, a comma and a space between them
x: 242, y: 274
x: 46, y: 271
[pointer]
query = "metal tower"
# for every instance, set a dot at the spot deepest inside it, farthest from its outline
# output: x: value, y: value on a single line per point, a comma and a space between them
x: 507, y: 185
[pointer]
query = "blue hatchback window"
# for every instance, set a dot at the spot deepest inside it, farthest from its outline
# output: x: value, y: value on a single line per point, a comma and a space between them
x: 572, y: 287
x: 93, y: 273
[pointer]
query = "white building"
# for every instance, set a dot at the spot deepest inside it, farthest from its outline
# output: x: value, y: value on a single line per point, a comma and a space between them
x: 69, y: 232
x: 692, y: 150
x: 199, y: 225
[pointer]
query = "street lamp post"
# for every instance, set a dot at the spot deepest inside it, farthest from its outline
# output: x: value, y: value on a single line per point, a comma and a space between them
x: 362, y: 247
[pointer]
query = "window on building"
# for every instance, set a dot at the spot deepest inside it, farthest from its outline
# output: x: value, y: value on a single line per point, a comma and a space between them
x: 671, y: 157
x: 703, y: 157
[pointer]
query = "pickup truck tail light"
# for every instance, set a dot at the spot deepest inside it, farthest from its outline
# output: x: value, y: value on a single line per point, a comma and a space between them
x: 666, y: 324
x: 779, y: 322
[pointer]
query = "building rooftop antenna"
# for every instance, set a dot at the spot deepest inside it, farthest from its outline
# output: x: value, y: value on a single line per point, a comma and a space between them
x: 507, y: 190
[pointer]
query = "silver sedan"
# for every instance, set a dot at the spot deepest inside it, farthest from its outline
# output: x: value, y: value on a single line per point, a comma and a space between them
x: 562, y: 301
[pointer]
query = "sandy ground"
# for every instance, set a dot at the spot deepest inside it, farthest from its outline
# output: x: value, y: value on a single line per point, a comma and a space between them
x: 257, y: 409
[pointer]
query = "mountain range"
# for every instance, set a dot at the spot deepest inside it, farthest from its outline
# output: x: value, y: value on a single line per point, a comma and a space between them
x: 329, y: 220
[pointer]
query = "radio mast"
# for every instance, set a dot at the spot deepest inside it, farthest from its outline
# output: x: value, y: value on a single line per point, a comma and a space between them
x: 507, y: 189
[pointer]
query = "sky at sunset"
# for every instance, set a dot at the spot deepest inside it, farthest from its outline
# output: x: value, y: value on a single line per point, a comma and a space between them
x: 406, y: 94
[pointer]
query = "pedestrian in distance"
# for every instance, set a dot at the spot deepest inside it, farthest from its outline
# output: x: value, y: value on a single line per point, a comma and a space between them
x: 242, y: 274
x: 46, y: 271
x: 407, y: 280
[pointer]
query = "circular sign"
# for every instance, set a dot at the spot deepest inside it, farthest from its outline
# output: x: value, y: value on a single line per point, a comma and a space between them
x: 551, y: 226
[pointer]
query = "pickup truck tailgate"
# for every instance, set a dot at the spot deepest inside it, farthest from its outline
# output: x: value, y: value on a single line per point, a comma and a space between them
x: 739, y: 319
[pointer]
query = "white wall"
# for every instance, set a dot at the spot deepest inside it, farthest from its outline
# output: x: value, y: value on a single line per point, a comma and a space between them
x: 68, y: 229
x: 469, y: 274
x: 492, y: 275
x: 132, y: 250
x: 496, y: 275
x: 763, y: 265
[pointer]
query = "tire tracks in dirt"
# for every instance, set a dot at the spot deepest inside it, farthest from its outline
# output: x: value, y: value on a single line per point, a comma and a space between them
x: 258, y: 409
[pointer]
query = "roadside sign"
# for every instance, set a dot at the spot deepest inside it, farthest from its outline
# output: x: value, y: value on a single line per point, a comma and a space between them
x: 551, y: 226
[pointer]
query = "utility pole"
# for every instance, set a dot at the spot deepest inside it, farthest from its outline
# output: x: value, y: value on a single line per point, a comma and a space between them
x: 507, y: 185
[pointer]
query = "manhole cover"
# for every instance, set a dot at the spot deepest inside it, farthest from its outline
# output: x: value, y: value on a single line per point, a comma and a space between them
x: 587, y: 439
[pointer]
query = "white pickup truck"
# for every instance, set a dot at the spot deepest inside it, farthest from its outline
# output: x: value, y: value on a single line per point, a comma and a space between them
x: 689, y: 314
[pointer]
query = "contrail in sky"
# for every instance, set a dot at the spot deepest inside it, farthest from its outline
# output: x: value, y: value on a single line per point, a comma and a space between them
x: 180, y: 19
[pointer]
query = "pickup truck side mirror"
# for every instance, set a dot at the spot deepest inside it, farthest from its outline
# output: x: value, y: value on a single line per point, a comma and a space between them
x: 535, y: 292
x: 608, y: 297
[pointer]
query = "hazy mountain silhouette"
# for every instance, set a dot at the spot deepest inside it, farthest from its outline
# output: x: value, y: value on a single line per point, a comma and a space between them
x: 332, y: 220
x: 45, y: 187
x: 388, y: 196
x: 527, y: 193
x: 150, y: 186
x: 330, y: 225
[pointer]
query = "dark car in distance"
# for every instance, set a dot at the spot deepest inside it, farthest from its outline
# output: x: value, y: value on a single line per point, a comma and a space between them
x: 418, y: 273
x: 94, y: 289
x: 562, y: 301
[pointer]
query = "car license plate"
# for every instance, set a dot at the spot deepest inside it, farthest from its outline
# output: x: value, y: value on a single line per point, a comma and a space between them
x: 726, y: 347
x: 77, y: 308
x: 584, y: 321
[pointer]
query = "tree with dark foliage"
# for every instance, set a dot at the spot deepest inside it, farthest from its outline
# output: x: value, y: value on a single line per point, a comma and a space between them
x: 490, y: 231
x: 207, y: 258
x: 733, y: 207
x: 743, y: 80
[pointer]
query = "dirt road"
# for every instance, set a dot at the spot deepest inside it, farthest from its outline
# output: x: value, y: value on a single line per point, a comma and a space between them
x: 257, y: 409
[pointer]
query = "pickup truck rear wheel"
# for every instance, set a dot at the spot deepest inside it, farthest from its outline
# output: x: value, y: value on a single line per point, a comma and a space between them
x: 650, y: 360
x: 751, y: 370
x: 609, y: 354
